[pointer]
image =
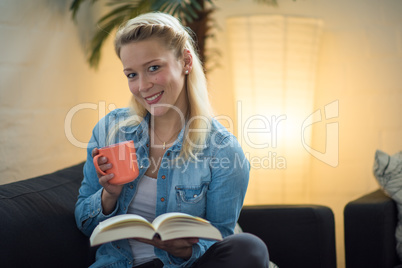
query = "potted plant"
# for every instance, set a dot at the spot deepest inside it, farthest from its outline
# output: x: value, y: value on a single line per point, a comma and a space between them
x: 195, y: 14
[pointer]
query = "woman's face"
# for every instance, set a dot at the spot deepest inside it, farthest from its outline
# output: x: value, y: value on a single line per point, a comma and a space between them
x: 156, y: 77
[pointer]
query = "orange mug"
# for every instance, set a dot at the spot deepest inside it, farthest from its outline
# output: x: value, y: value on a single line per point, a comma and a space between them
x: 124, y: 162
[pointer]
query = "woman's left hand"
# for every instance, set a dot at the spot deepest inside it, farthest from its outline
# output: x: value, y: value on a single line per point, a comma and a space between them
x: 181, y: 247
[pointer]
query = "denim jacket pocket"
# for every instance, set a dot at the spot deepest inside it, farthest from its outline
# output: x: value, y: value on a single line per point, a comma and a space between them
x: 192, y: 199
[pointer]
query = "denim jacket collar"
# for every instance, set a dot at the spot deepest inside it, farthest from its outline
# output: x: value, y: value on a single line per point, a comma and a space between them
x: 141, y: 133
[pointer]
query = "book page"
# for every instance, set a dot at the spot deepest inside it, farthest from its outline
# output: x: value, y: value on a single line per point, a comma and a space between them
x: 182, y: 228
x: 175, y: 215
x: 124, y: 231
x: 122, y: 220
x: 179, y: 225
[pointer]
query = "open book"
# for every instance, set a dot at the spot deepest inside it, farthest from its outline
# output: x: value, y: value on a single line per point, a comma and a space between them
x: 168, y: 226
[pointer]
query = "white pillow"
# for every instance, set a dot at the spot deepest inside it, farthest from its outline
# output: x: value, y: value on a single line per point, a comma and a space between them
x: 388, y: 172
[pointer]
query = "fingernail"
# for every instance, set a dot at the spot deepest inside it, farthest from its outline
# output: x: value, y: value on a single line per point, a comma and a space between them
x: 104, y: 159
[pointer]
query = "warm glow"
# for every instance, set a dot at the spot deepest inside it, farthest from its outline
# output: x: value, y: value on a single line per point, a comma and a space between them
x: 273, y: 65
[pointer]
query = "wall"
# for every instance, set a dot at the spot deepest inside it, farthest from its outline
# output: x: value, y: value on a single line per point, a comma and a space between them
x: 44, y: 76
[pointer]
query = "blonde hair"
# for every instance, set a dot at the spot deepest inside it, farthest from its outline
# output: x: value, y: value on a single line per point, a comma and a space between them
x: 176, y: 38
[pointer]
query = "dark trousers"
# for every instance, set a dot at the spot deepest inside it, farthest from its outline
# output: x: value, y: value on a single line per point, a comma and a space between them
x: 235, y: 251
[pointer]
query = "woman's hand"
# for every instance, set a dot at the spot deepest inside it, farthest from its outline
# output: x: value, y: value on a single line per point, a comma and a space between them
x: 110, y: 192
x: 181, y: 247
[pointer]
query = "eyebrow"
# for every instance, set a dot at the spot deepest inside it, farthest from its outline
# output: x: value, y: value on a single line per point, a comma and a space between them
x: 147, y: 63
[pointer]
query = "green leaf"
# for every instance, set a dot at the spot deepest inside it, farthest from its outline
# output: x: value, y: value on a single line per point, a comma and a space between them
x: 168, y: 7
x: 100, y: 37
x: 119, y: 11
x: 269, y: 2
x: 75, y: 5
x: 196, y: 5
x: 165, y: 6
x: 161, y: 4
x: 121, y: 2
x: 179, y: 8
x: 176, y: 11
x: 191, y: 11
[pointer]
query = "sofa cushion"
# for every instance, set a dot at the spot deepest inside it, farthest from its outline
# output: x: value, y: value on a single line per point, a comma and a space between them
x: 296, y: 235
x: 370, y: 222
x: 388, y: 172
x: 37, y: 225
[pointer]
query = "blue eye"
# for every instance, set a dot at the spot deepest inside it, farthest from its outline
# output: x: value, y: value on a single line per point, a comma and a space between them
x: 131, y: 75
x: 153, y: 68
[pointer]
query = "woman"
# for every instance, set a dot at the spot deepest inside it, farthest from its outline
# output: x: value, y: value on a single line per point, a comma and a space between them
x: 188, y: 162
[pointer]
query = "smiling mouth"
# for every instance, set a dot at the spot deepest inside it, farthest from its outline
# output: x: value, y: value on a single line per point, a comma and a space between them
x: 154, y: 97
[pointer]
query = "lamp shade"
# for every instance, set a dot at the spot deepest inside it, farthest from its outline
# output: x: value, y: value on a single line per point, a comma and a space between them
x: 273, y: 61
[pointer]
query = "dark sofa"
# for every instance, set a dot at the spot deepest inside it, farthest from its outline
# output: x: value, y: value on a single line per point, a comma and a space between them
x: 37, y: 227
x: 370, y: 223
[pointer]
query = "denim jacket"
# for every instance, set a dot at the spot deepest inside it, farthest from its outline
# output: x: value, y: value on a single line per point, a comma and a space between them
x: 212, y: 187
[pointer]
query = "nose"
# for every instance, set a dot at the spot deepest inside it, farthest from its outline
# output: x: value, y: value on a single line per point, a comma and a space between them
x: 144, y: 83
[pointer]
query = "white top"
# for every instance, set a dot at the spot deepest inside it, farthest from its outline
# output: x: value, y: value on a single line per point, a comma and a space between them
x: 143, y: 204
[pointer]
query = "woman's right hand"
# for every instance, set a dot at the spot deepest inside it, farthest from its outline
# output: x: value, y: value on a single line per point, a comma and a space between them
x: 110, y: 192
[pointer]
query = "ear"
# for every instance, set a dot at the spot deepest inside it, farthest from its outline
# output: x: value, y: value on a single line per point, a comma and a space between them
x: 188, y: 61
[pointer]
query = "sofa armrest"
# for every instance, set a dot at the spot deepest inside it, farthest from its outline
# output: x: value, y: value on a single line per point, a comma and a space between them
x: 37, y: 224
x: 370, y: 223
x: 296, y: 235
